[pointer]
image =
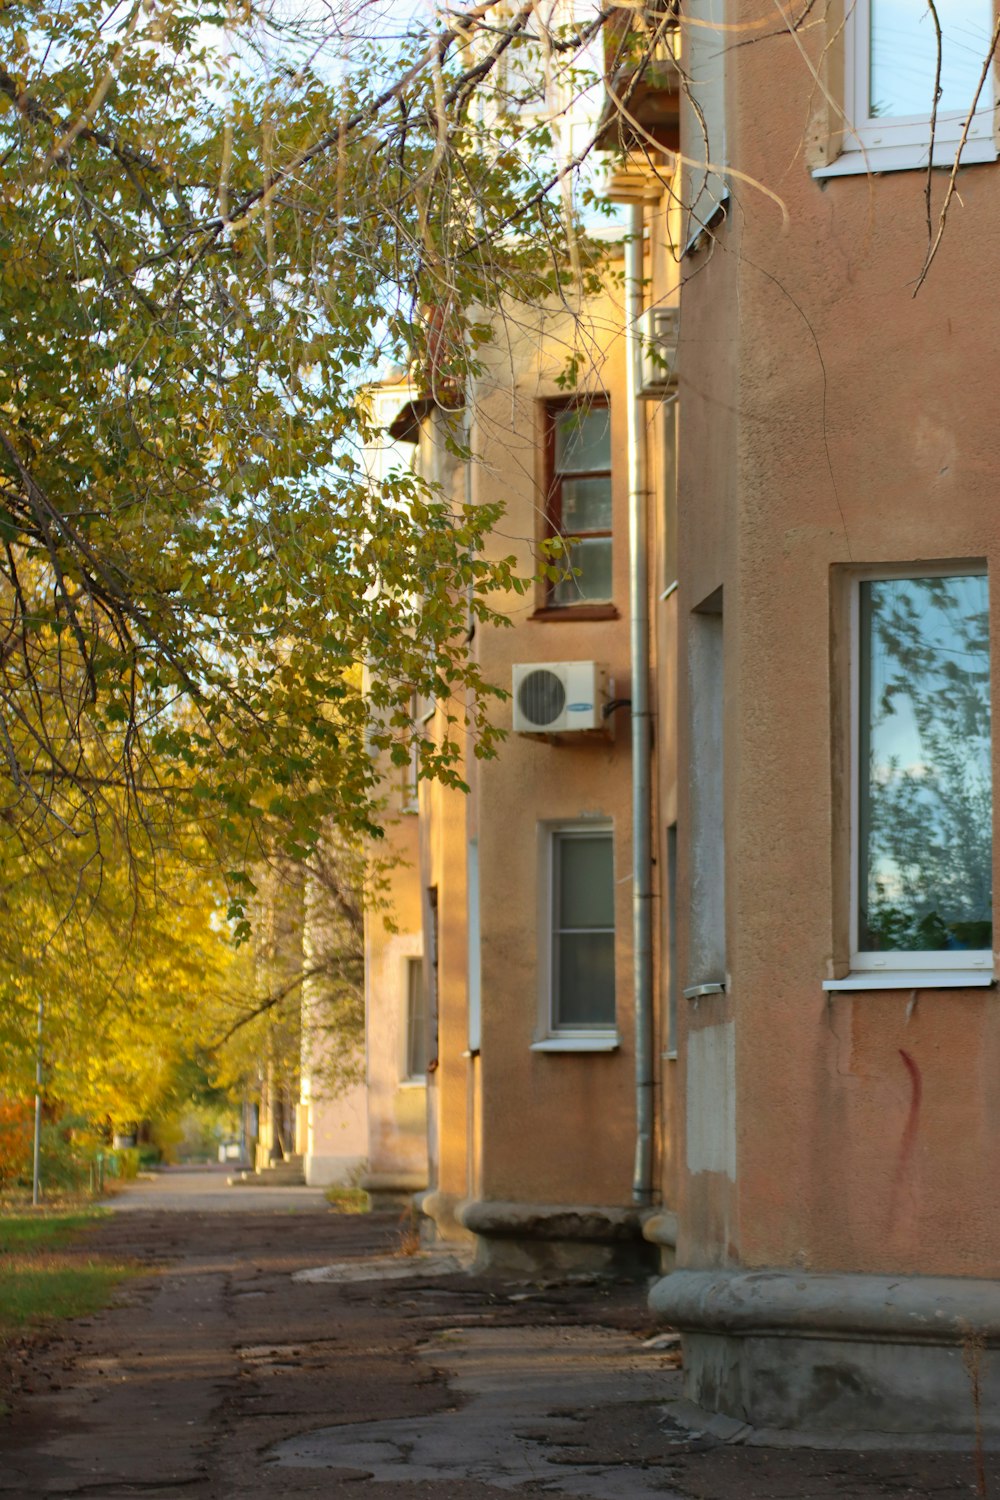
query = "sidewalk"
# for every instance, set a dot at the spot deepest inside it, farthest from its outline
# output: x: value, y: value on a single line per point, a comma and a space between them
x: 207, y: 1190
x: 230, y: 1375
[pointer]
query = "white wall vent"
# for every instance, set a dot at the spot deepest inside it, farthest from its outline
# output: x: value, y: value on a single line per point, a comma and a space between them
x: 659, y: 329
x: 557, y: 697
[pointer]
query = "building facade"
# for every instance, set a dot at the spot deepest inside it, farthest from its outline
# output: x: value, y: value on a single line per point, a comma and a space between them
x: 839, y: 1043
x: 526, y: 880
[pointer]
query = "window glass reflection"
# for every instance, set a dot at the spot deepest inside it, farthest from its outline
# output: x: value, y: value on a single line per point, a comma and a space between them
x: 583, y: 439
x: 926, y: 809
x: 590, y: 579
x: 904, y: 57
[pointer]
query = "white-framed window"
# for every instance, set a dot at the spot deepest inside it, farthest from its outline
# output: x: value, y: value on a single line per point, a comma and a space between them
x: 415, y: 1030
x: 922, y: 816
x: 891, y: 70
x: 579, y: 952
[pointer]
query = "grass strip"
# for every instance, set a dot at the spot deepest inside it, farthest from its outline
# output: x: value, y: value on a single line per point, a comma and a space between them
x: 347, y: 1200
x: 40, y: 1281
x: 39, y: 1230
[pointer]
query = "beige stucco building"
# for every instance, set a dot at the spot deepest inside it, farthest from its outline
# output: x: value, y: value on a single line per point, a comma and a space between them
x: 840, y: 1042
x: 525, y: 882
x: 396, y: 1015
x: 783, y: 1092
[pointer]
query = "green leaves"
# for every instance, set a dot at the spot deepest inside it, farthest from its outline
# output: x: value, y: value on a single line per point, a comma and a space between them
x: 201, y: 262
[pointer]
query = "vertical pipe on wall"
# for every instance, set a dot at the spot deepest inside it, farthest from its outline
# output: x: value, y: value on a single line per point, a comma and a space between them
x: 642, y: 893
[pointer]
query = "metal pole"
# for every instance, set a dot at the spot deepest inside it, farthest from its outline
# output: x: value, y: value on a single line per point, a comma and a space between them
x: 642, y: 885
x: 36, y: 1186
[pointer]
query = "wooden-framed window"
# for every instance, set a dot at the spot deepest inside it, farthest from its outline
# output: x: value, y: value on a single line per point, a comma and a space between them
x: 578, y: 498
x: 415, y: 1062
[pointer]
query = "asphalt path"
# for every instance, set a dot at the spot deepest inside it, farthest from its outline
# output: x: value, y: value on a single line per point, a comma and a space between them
x: 231, y: 1369
x: 207, y: 1190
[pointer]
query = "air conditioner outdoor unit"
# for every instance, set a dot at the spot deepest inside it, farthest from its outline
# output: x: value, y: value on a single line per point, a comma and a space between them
x: 658, y: 329
x: 558, y: 697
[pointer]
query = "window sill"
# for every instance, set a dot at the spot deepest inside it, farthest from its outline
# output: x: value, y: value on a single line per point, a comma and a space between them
x: 699, y: 991
x: 576, y: 612
x: 413, y: 1083
x: 906, y: 158
x: 608, y: 1042
x: 914, y: 979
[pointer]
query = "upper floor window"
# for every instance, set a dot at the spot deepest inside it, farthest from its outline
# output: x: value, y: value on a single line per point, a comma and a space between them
x: 578, y: 503
x: 924, y: 806
x: 896, y: 63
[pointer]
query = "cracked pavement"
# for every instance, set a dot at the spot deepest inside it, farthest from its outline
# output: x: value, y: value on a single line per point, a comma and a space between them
x: 224, y: 1374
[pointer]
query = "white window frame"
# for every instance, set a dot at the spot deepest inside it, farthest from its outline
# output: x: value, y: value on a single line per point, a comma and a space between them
x: 552, y: 1037
x: 901, y: 969
x: 892, y: 144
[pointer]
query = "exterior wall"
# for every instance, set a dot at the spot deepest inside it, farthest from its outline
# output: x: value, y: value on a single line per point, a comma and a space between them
x: 332, y: 1126
x: 577, y: 1107
x: 567, y: 1199
x: 443, y: 879
x: 858, y: 438
x: 831, y: 419
x: 443, y: 870
x: 336, y: 1143
x: 397, y: 1105
x: 663, y: 425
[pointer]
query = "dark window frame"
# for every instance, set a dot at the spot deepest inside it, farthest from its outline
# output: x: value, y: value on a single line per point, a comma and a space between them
x: 415, y: 1041
x: 551, y: 607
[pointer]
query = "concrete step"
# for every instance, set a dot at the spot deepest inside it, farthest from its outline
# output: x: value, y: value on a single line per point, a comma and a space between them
x: 287, y: 1173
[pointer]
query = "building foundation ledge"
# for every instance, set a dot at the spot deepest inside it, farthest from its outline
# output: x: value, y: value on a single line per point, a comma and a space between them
x: 330, y: 1171
x: 393, y: 1190
x: 659, y: 1227
x: 819, y: 1357
x: 440, y: 1209
x: 556, y: 1239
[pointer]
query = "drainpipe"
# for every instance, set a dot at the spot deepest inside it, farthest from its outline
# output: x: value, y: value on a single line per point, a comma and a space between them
x: 642, y: 893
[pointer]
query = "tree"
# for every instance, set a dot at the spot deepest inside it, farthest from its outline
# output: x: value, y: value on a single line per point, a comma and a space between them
x: 297, y: 997
x: 130, y: 976
x: 208, y: 239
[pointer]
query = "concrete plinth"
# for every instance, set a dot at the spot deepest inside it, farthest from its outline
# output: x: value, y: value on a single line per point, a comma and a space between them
x: 828, y: 1356
x: 330, y: 1171
x: 393, y: 1190
x: 439, y: 1211
x: 556, y: 1239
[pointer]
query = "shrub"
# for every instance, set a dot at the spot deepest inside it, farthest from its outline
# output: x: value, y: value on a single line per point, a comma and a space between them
x: 16, y: 1118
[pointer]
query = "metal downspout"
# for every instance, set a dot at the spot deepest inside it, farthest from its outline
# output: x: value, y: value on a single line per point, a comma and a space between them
x: 642, y: 894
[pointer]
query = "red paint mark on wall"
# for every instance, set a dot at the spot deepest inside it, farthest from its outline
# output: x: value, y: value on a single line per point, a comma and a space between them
x: 909, y: 1136
x: 913, y: 1118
